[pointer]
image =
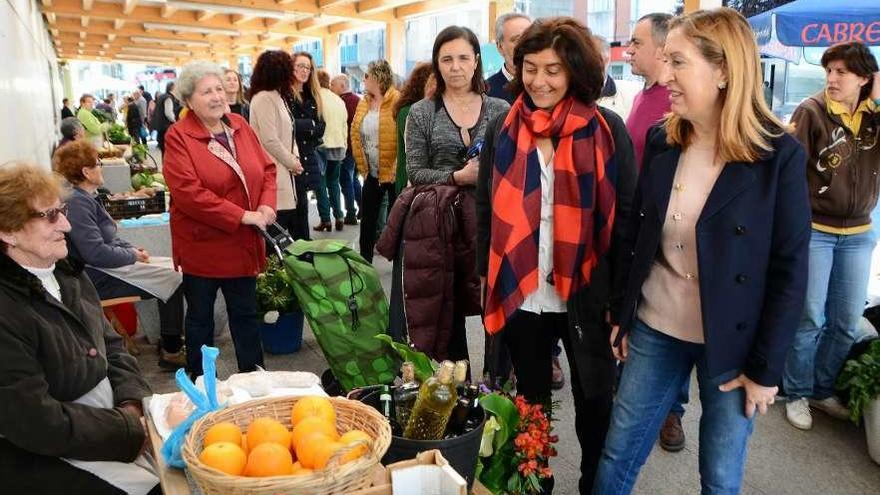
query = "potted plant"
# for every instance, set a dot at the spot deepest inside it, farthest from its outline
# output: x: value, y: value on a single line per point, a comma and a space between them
x: 861, y: 378
x: 278, y: 309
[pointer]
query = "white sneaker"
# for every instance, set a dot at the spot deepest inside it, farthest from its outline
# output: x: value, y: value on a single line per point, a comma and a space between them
x: 832, y: 407
x: 798, y: 414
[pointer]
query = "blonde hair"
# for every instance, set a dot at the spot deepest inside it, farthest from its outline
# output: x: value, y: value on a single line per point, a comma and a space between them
x: 380, y: 70
x: 21, y: 184
x: 311, y: 85
x: 725, y: 39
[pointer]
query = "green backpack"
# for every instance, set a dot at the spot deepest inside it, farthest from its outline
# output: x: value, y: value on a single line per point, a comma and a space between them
x: 341, y: 296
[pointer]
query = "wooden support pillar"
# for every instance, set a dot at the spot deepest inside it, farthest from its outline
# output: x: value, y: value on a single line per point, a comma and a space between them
x: 497, y: 8
x: 693, y: 5
x: 330, y: 47
x: 395, y: 46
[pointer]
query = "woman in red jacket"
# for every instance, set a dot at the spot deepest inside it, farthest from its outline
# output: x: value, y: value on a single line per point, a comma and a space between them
x: 223, y: 185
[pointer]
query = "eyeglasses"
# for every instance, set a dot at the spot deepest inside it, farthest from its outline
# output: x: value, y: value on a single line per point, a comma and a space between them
x: 99, y: 163
x: 304, y: 67
x: 52, y: 213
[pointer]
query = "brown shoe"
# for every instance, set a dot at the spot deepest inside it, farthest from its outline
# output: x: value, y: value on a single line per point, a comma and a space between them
x: 340, y: 224
x: 558, y: 380
x: 172, y: 360
x: 671, y: 434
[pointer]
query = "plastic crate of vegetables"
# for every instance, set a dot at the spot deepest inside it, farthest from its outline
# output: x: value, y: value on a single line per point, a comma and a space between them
x: 133, y: 206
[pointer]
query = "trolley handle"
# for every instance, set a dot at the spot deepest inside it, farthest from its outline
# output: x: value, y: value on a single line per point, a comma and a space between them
x: 279, y: 241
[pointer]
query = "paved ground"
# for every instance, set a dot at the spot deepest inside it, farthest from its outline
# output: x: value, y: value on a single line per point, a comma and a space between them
x: 830, y: 459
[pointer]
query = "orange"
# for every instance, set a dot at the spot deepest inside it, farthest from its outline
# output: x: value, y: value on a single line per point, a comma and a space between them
x: 325, y: 452
x: 312, y: 405
x: 268, y: 459
x: 223, y: 432
x: 225, y: 456
x: 244, y: 445
x: 298, y: 470
x: 352, y: 437
x: 308, y: 448
x: 311, y: 425
x: 264, y: 430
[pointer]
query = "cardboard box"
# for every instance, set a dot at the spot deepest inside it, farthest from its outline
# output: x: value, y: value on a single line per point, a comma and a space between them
x: 428, y: 474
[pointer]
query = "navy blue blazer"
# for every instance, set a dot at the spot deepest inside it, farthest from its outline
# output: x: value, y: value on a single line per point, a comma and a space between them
x: 496, y: 85
x: 753, y: 238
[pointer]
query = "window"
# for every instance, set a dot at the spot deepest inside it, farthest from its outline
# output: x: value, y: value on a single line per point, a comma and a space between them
x: 600, y: 18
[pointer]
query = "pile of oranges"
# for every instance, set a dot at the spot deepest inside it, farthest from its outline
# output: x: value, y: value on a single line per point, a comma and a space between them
x: 269, y: 449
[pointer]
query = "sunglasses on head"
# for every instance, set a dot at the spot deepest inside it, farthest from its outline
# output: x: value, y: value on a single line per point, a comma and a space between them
x: 52, y: 213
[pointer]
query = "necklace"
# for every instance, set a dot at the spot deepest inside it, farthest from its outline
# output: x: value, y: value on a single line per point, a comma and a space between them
x: 464, y: 103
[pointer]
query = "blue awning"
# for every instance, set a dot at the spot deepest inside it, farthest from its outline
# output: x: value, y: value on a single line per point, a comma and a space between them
x: 820, y: 23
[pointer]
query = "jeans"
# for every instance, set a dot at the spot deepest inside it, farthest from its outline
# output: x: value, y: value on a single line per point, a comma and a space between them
x: 373, y: 194
x: 350, y: 185
x: 241, y: 305
x: 836, y: 292
x: 531, y: 338
x: 329, y: 197
x: 655, y: 369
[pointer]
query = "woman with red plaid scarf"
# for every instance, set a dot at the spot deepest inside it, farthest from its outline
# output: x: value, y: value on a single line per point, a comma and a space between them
x: 556, y: 174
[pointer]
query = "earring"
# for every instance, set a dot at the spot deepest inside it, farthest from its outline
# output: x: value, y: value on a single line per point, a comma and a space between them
x: 722, y: 85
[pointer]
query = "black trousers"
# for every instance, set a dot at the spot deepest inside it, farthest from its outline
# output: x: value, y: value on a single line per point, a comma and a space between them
x: 371, y: 203
x: 296, y: 221
x: 531, y: 337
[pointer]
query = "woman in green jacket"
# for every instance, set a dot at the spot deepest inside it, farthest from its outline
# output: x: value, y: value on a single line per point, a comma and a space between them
x: 420, y: 85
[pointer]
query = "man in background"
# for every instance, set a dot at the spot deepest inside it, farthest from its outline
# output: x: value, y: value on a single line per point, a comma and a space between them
x: 348, y: 180
x: 508, y: 28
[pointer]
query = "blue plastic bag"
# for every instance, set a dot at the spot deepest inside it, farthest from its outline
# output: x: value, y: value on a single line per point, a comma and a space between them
x: 204, y: 403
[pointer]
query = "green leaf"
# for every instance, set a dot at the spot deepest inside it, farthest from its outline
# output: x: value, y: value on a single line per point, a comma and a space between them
x: 505, y: 413
x: 424, y: 366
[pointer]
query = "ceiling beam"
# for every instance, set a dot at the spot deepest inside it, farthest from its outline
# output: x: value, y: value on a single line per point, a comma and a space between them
x: 118, y: 23
x: 84, y: 21
x: 368, y: 7
x: 426, y: 7
x: 51, y: 18
x: 87, y: 4
x: 103, y: 29
x: 128, y: 6
x: 142, y: 14
x: 204, y: 15
x: 168, y: 11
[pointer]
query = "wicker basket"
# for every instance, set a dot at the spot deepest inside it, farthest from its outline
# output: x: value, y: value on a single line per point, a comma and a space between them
x: 349, y: 477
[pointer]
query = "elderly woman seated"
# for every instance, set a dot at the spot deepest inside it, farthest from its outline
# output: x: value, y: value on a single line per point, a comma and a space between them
x: 70, y: 413
x: 117, y: 268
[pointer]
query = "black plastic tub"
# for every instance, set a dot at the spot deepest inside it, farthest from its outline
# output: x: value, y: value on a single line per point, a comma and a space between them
x: 461, y: 451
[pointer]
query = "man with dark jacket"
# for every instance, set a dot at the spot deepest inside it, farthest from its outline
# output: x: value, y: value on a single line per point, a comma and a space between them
x: 348, y: 181
x: 508, y: 28
x: 167, y: 108
x: 134, y: 121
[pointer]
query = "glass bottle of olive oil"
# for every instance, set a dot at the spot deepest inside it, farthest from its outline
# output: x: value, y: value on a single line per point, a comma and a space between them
x: 434, y: 404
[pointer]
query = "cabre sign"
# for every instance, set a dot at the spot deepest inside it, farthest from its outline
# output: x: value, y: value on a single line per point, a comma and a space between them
x: 828, y: 33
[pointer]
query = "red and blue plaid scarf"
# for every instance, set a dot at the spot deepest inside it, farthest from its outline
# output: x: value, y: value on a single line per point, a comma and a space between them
x: 584, y: 202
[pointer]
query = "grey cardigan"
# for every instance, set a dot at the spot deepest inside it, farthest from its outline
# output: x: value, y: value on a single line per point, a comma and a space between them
x: 433, y: 141
x: 92, y: 239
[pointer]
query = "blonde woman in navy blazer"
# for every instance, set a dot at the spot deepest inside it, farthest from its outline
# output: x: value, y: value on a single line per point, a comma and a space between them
x: 719, y: 257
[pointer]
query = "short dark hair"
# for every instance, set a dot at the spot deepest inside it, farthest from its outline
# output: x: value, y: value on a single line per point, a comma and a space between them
x: 169, y: 87
x: 857, y: 58
x: 64, y: 100
x: 141, y: 87
x: 273, y: 71
x: 659, y: 26
x: 452, y: 33
x: 572, y: 42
